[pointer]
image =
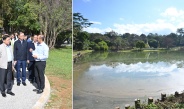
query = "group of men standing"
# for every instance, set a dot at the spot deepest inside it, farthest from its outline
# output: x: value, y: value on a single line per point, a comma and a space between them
x: 17, y: 55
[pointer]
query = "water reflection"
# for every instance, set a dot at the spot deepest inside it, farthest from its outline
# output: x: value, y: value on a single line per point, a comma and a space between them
x: 136, y: 70
x: 136, y: 78
x: 123, y: 76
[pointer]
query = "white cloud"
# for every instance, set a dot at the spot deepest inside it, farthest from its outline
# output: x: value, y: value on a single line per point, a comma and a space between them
x: 145, y: 69
x: 158, y: 26
x: 181, y: 25
x: 144, y: 28
x: 173, y: 12
x: 95, y: 22
x: 97, y: 30
x: 93, y: 30
x: 168, y: 22
x: 173, y: 15
x: 160, y: 20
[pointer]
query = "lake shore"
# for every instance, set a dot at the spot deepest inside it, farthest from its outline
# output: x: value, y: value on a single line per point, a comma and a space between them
x: 83, y: 52
x: 102, y: 77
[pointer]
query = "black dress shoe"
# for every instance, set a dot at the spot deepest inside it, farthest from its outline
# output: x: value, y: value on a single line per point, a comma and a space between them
x: 35, y: 90
x: 39, y: 91
x: 3, y: 94
x: 11, y: 93
x: 18, y: 84
x: 24, y: 83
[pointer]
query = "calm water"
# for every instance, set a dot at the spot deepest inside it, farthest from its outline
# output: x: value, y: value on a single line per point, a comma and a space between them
x: 106, y: 80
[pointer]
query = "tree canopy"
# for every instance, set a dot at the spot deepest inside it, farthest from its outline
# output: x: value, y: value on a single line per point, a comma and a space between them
x: 48, y: 17
x: 114, y: 41
x: 140, y: 44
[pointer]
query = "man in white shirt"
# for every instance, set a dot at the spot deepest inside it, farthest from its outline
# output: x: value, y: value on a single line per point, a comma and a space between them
x: 6, y: 60
x: 40, y: 54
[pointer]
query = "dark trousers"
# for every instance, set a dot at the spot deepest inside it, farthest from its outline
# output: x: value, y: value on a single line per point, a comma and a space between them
x: 31, y: 70
x: 18, y: 66
x: 6, y: 76
x: 39, y: 74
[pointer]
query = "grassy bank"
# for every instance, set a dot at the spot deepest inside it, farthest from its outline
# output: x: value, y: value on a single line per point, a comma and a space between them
x: 81, y: 52
x: 59, y: 63
x: 131, y: 50
x: 59, y: 73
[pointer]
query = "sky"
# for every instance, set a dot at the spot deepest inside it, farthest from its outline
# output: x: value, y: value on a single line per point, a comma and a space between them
x: 132, y: 16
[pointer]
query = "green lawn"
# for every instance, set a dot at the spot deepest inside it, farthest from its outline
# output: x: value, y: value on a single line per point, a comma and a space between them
x: 59, y: 63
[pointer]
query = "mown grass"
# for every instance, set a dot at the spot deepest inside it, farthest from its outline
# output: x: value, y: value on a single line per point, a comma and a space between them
x: 59, y: 63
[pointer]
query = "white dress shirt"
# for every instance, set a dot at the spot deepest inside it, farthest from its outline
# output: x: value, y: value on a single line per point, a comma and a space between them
x: 9, y: 53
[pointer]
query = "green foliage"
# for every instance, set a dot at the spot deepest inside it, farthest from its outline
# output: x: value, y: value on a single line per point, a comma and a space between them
x: 153, y: 43
x: 92, y: 45
x: 140, y: 44
x: 180, y: 31
x: 81, y: 41
x: 55, y: 16
x: 150, y: 106
x: 64, y: 36
x: 82, y: 36
x: 79, y: 22
x: 102, y: 45
x: 179, y: 106
x: 168, y: 42
x: 51, y: 18
x: 97, y: 47
x: 117, y: 41
x: 1, y: 23
x: 18, y: 15
x: 86, y: 44
x: 171, y: 98
x: 27, y: 18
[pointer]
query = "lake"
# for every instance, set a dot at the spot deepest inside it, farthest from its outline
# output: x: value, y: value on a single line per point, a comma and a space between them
x: 105, y: 80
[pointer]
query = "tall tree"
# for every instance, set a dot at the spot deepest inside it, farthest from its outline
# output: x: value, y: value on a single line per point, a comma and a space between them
x: 143, y: 38
x: 49, y: 17
x: 55, y: 16
x: 153, y: 43
x: 82, y: 38
x: 167, y: 42
x: 140, y: 44
x: 79, y: 22
x: 180, y: 31
x: 103, y: 46
x: 118, y: 42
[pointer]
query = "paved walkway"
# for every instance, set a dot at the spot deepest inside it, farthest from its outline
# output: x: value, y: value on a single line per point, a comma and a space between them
x: 25, y: 97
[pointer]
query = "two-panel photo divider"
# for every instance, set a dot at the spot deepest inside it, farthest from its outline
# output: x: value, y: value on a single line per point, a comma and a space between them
x: 91, y: 54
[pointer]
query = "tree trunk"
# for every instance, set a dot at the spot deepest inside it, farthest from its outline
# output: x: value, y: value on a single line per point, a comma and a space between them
x: 52, y: 38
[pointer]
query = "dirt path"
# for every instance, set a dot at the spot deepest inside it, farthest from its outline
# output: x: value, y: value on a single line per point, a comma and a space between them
x: 61, y: 93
